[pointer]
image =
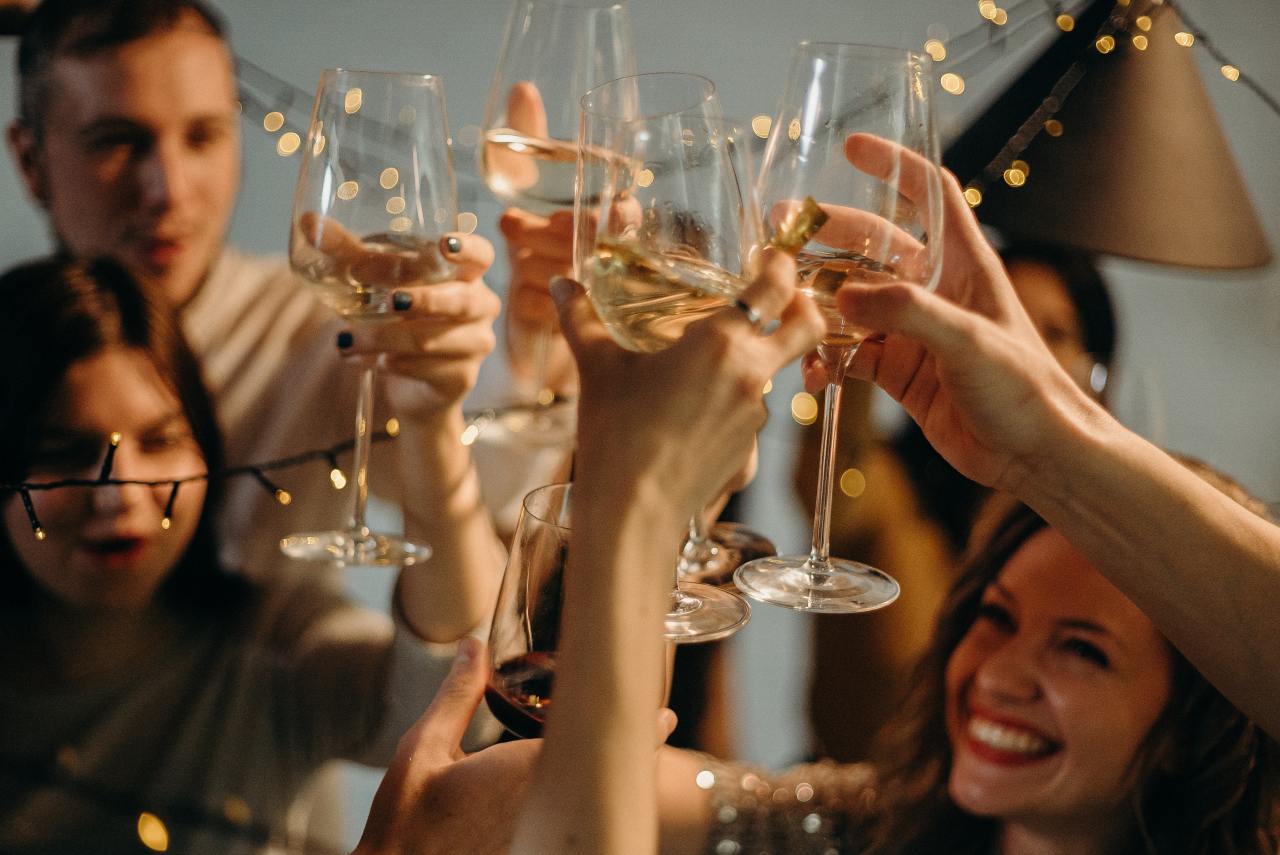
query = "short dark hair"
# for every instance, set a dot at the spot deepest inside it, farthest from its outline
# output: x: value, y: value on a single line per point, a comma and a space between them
x: 83, y: 27
x: 1086, y: 288
x: 58, y: 312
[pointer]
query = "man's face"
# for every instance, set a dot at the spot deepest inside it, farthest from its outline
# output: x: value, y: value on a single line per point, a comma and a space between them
x: 139, y: 158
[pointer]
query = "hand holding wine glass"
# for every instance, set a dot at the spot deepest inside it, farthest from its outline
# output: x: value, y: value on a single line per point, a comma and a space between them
x: 376, y: 194
x: 552, y: 52
x: 666, y: 234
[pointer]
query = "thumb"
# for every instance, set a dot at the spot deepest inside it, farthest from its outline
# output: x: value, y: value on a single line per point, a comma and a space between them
x: 525, y: 111
x: 947, y: 330
x: 579, y: 322
x: 440, y: 730
x: 667, y: 722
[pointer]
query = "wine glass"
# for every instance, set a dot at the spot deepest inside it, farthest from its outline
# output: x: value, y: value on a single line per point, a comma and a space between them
x: 881, y: 228
x: 665, y: 234
x: 376, y: 193
x: 526, y: 621
x: 525, y: 633
x: 552, y: 52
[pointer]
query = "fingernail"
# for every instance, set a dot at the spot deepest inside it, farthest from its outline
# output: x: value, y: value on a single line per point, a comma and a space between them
x: 345, y: 339
x: 452, y: 245
x: 401, y: 300
x: 468, y: 648
x: 561, y: 288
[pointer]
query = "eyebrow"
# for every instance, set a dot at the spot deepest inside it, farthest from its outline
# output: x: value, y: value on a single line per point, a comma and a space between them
x: 1082, y: 624
x: 124, y: 123
x: 59, y: 432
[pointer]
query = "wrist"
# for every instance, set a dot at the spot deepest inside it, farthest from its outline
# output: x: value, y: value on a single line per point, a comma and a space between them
x: 1079, y: 444
x: 609, y: 499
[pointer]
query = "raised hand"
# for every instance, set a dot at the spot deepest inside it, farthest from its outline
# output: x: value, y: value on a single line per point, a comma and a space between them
x: 445, y: 329
x: 539, y: 249
x: 966, y: 362
x: 434, y: 798
x: 687, y: 415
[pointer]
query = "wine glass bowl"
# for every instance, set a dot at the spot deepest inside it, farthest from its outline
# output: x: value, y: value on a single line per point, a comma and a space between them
x: 666, y: 227
x: 376, y: 193
x: 666, y: 232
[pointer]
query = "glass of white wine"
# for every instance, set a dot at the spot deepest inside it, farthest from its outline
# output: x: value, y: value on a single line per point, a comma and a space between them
x: 883, y: 224
x: 552, y: 52
x: 376, y: 193
x: 666, y: 233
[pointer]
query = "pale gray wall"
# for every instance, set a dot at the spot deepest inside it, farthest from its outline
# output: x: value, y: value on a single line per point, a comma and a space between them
x: 1200, y: 364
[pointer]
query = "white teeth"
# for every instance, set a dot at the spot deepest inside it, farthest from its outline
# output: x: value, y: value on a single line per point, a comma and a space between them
x: 1004, y: 738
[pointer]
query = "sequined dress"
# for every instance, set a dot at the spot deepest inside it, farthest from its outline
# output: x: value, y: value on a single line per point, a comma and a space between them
x: 812, y: 809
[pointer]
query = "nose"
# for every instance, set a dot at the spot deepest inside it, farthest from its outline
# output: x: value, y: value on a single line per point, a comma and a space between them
x: 165, y: 176
x: 1009, y: 672
x: 118, y: 499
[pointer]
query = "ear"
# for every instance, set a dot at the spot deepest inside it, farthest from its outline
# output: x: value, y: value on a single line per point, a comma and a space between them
x: 26, y: 154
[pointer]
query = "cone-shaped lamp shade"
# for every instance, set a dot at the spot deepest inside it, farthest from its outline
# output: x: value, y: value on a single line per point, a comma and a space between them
x: 1141, y: 168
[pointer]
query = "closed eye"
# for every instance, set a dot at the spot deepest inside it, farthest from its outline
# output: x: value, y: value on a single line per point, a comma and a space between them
x: 1087, y: 651
x: 997, y: 615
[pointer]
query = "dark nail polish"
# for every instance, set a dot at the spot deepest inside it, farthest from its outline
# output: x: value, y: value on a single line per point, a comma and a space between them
x: 345, y: 340
x: 453, y: 245
x: 401, y: 300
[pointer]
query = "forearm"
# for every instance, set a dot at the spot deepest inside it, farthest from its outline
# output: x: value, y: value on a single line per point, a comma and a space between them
x: 454, y: 591
x: 599, y: 756
x: 1205, y: 569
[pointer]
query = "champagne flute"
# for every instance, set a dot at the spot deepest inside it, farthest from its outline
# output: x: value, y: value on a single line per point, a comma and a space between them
x: 552, y: 52
x: 880, y: 228
x: 376, y: 193
x: 665, y: 229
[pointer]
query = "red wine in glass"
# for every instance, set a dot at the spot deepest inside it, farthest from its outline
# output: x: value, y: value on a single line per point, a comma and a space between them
x: 519, y: 693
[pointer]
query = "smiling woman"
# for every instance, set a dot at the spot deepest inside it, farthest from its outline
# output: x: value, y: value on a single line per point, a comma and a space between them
x: 1048, y: 715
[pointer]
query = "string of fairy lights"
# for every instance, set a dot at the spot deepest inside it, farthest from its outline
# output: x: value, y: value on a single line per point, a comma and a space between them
x: 973, y: 50
x: 257, y: 471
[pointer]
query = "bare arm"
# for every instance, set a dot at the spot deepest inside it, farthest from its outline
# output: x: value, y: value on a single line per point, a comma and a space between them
x: 433, y: 353
x: 969, y: 368
x: 661, y: 434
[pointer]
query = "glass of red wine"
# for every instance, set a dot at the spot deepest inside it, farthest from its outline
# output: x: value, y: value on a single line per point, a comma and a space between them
x: 526, y: 622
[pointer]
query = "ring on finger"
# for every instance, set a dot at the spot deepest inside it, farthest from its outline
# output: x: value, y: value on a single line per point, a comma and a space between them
x: 754, y: 317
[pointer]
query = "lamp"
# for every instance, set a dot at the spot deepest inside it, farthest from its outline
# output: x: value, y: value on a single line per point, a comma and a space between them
x: 1132, y: 163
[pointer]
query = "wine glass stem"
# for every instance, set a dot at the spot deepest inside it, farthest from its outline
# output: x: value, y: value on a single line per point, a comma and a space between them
x: 837, y: 360
x: 360, y: 453
x: 541, y: 351
x: 697, y: 546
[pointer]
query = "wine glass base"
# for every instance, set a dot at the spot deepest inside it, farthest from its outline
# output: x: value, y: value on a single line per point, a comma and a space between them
x: 354, y: 549
x: 705, y: 613
x: 551, y: 426
x: 837, y: 587
x: 733, y: 544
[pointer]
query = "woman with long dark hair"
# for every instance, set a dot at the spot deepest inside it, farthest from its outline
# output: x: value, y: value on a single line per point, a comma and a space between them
x: 140, y: 677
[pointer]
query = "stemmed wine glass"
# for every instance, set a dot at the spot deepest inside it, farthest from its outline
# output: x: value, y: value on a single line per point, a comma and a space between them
x: 881, y: 227
x: 552, y: 52
x: 526, y: 621
x: 525, y: 634
x: 665, y: 230
x: 376, y: 193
